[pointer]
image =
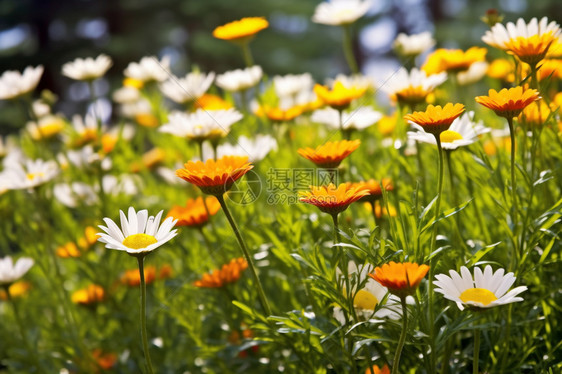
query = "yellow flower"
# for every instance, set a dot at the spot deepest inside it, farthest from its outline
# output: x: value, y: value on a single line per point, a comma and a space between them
x: 436, y: 119
x: 535, y: 114
x: 241, y: 30
x: 453, y: 60
x: 91, y: 295
x: 133, y: 83
x: 147, y: 120
x: 194, y: 212
x: 532, y: 49
x: 387, y: 124
x: 17, y: 289
x: 503, y: 69
x: 400, y: 278
x: 90, y: 237
x: 331, y: 199
x: 550, y: 69
x: 68, y: 250
x: 215, y: 177
x: 277, y: 114
x: 47, y: 127
x: 508, y: 103
x: 340, y: 96
x: 330, y: 154
x: 229, y: 273
x: 212, y: 102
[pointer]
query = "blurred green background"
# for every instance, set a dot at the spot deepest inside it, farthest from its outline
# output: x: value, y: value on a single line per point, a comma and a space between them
x: 50, y: 33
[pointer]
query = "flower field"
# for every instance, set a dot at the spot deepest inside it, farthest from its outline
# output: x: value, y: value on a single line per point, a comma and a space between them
x: 249, y: 222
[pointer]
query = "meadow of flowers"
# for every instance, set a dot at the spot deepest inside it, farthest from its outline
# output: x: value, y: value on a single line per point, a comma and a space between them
x: 240, y: 222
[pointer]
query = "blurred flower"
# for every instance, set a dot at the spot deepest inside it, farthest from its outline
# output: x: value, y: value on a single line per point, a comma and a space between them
x: 29, y: 173
x: 358, y: 81
x: 358, y: 119
x: 239, y: 80
x: 292, y: 86
x: 202, y: 124
x: 10, y: 272
x: 46, y: 127
x: 255, y: 149
x: 331, y: 199
x: 387, y: 124
x: 75, y: 194
x: 508, y: 103
x: 389, y: 211
x: 340, y: 12
x: 550, y: 69
x: 124, y: 184
x: 86, y: 129
x: 486, y: 290
x: 340, y: 96
x: 125, y: 95
x: 463, y: 131
x: 229, y: 273
x: 194, y: 213
x: 330, y: 154
x: 139, y: 234
x: 241, y: 30
x: 411, y: 88
x: 132, y: 277
x: 537, y: 114
x: 187, y: 89
x: 150, y: 159
x: 400, y: 278
x: 436, y: 119
x: 413, y: 45
x: 277, y: 114
x: 376, y: 370
x: 503, y: 69
x: 68, y: 250
x: 14, y: 84
x: 453, y: 60
x: 530, y: 42
x: 474, y: 73
x: 369, y: 297
x: 104, y: 360
x: 149, y: 69
x: 16, y: 289
x: 215, y: 177
x: 92, y: 294
x: 40, y: 108
x: 212, y: 102
x: 90, y: 237
x: 87, y: 69
x: 373, y: 188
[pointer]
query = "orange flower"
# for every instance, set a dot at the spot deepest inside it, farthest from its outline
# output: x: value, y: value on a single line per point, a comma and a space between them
x: 104, y: 360
x: 147, y: 120
x: 377, y: 370
x: 194, y: 212
x: 331, y: 199
x: 453, y: 60
x: 16, y: 289
x: 508, y: 103
x: 531, y: 49
x: 436, y: 119
x: 212, y: 102
x: 330, y: 154
x: 90, y: 237
x: 132, y: 277
x: 282, y: 115
x: 535, y: 115
x: 373, y: 187
x: 400, y: 278
x: 242, y: 30
x: 68, y: 250
x: 229, y: 273
x: 340, y: 96
x: 215, y: 177
x: 87, y: 296
x: 550, y: 68
x: 380, y: 211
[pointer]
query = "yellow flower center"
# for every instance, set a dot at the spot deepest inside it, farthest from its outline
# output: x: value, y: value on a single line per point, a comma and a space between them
x: 138, y: 241
x: 449, y: 136
x: 478, y: 295
x: 365, y: 300
x: 32, y: 176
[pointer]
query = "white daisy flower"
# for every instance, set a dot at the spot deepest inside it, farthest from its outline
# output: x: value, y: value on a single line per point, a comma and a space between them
x: 126, y: 95
x: 358, y: 81
x: 74, y: 194
x: 239, y: 80
x: 499, y: 35
x: 40, y: 108
x: 358, y: 119
x: 139, y: 233
x: 10, y: 272
x: 411, y: 86
x: 475, y: 72
x: 201, y: 124
x: 149, y: 69
x: 463, y: 131
x: 370, y: 296
x: 87, y: 69
x: 291, y: 85
x: 256, y: 149
x: 46, y: 127
x: 413, y: 45
x: 32, y: 174
x: 486, y: 290
x: 340, y: 12
x: 189, y: 88
x: 124, y: 184
x: 14, y: 84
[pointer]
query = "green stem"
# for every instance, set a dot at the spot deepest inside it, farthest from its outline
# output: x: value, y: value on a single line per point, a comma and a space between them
x: 348, y: 50
x: 248, y: 60
x: 374, y: 212
x: 513, y: 188
x: 421, y: 171
x: 402, y: 339
x: 261, y: 293
x: 140, y: 260
x: 476, y: 351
